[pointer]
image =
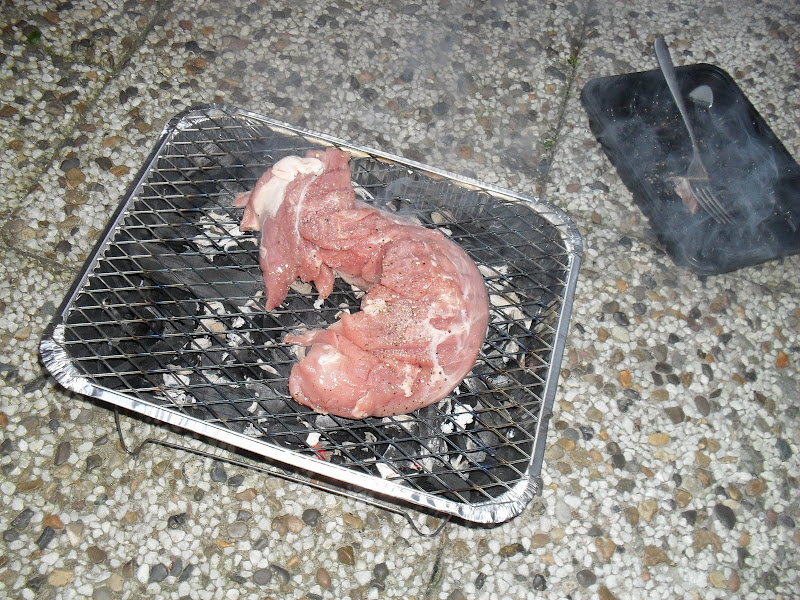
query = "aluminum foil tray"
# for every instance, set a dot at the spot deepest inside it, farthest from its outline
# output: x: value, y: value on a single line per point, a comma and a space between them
x: 166, y: 319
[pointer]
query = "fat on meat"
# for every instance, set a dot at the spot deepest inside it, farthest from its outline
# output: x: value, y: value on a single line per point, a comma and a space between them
x: 423, y: 317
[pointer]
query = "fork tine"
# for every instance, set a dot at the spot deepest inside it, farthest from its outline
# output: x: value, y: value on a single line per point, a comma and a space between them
x: 712, y: 204
x: 703, y: 202
x: 706, y: 204
x: 715, y: 207
x: 712, y: 198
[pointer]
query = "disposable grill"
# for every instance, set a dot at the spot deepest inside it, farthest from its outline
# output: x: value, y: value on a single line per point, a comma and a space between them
x: 166, y: 319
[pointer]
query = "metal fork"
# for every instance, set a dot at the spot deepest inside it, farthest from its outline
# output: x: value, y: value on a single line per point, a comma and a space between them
x: 696, y: 175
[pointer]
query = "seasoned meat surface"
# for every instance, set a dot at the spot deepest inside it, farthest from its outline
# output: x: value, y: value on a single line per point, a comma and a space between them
x: 423, y: 317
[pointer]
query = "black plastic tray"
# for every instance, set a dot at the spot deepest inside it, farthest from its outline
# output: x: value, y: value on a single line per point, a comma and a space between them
x: 637, y: 122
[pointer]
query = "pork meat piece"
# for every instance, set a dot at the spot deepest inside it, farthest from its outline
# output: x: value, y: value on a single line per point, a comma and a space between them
x: 423, y: 317
x: 315, y: 186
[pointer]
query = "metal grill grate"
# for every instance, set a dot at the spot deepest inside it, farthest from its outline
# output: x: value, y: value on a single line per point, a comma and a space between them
x: 167, y: 319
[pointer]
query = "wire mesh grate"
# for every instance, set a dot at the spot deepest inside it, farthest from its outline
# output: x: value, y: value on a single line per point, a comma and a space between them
x: 169, y: 313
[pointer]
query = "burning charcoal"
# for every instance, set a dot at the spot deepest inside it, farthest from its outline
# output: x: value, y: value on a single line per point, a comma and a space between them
x: 489, y: 440
x: 499, y: 380
x: 491, y: 478
x: 195, y: 411
x: 398, y: 452
x: 475, y: 384
x: 327, y: 422
x: 525, y: 343
x: 451, y: 482
x: 191, y: 272
x: 280, y: 408
x: 266, y: 396
x: 360, y: 457
x: 475, y: 457
x: 287, y: 432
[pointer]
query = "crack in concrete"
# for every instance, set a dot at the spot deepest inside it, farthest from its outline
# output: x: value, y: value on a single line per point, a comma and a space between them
x: 577, y: 46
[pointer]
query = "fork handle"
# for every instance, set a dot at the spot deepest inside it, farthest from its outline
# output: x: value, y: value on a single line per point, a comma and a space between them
x: 668, y: 69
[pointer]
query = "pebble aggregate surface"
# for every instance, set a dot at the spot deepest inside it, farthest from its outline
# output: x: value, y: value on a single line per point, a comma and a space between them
x: 671, y: 468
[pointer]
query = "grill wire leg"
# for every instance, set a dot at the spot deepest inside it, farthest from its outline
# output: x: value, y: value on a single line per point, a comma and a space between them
x: 245, y: 465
